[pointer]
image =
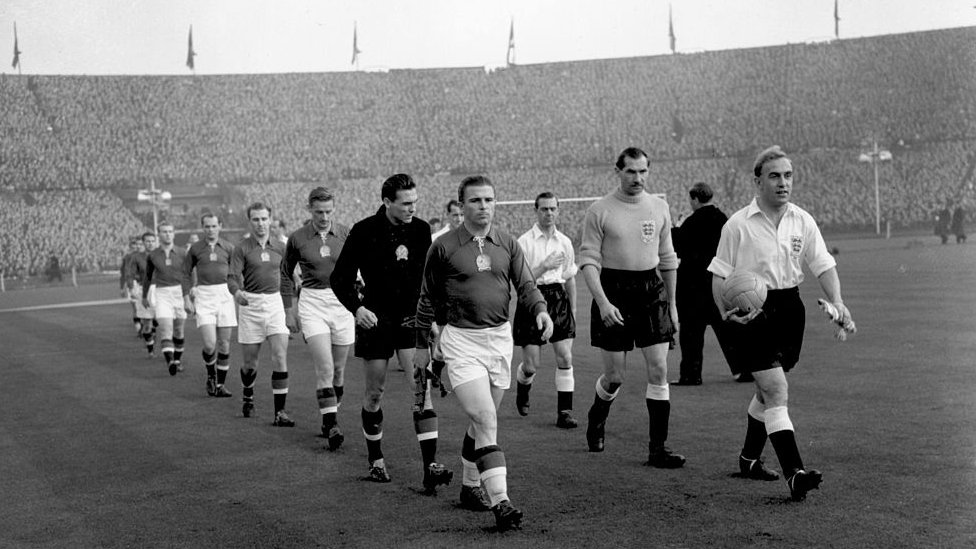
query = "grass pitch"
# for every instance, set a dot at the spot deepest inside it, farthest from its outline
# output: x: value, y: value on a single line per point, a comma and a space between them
x: 102, y: 448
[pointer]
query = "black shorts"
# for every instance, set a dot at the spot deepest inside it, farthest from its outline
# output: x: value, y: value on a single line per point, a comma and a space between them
x: 774, y: 338
x: 389, y: 335
x: 643, y: 302
x: 525, y: 332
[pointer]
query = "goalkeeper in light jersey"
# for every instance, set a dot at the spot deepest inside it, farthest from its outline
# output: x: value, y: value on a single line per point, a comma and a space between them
x: 774, y: 238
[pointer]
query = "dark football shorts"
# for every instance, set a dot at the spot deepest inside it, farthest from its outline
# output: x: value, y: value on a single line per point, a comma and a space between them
x: 774, y: 338
x: 525, y: 332
x: 389, y: 335
x: 643, y: 301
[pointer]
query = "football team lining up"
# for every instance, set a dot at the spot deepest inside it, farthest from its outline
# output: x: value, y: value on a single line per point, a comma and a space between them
x: 440, y: 302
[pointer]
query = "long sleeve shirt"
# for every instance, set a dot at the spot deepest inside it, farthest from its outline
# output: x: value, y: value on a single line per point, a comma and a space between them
x: 390, y: 257
x: 316, y: 254
x: 255, y: 268
x: 163, y: 268
x: 628, y: 233
x: 212, y: 262
x: 467, y: 282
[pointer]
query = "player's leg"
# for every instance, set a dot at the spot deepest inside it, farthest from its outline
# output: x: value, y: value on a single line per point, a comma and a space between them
x: 565, y: 384
x: 320, y: 346
x: 178, y: 340
x: 425, y: 422
x: 164, y: 332
x: 525, y: 375
x: 249, y: 373
x: 658, y: 401
x: 208, y: 336
x: 279, y: 378
x: 340, y: 356
x: 480, y: 401
x: 750, y: 460
x: 372, y: 416
x: 223, y: 360
x: 607, y: 386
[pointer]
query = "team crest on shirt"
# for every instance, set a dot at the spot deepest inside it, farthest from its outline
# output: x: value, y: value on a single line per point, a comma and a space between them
x: 401, y: 253
x: 647, y: 230
x: 796, y: 243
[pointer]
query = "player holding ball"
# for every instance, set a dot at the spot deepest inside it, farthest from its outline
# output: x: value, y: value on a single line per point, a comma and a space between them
x: 773, y: 238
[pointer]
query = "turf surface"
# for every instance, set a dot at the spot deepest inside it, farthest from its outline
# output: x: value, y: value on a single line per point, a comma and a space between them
x: 100, y: 447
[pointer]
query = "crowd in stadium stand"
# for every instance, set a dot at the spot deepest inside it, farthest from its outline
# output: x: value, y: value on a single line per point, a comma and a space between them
x: 536, y: 127
x: 85, y: 230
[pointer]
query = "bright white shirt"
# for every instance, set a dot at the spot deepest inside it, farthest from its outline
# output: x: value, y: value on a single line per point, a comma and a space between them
x: 537, y: 247
x: 751, y: 242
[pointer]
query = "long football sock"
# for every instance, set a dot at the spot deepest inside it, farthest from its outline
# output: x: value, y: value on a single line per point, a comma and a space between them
x: 425, y: 425
x: 565, y: 384
x: 756, y: 435
x: 657, y: 398
x: 373, y: 431
x: 279, y: 387
x: 491, y: 465
x: 470, y: 475
x: 223, y: 365
x: 780, y: 431
x: 247, y: 384
x: 328, y: 406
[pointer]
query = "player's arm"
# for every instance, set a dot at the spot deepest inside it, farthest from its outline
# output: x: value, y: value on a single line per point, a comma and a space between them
x: 830, y: 283
x: 343, y: 278
x: 235, y: 275
x: 571, y: 294
x: 433, y: 281
x: 147, y: 280
x: 528, y: 293
x: 670, y: 284
x: 609, y: 313
x: 289, y: 261
x: 189, y: 263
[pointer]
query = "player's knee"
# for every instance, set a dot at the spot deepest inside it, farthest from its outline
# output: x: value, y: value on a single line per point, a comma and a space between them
x: 564, y: 360
x: 485, y: 420
x: 373, y: 396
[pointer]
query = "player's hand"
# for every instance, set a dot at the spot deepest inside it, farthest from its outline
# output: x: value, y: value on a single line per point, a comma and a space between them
x: 544, y: 323
x: 673, y: 312
x: 240, y: 299
x: 291, y: 320
x: 611, y: 315
x: 188, y: 305
x: 124, y: 291
x: 365, y: 318
x: 145, y: 302
x: 845, y: 314
x: 555, y: 259
x: 735, y: 315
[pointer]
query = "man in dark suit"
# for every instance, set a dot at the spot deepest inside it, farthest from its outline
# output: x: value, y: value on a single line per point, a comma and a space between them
x: 695, y: 242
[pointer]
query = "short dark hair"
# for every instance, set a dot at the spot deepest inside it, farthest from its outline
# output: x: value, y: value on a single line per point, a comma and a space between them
x: 473, y: 181
x: 543, y: 195
x: 701, y: 192
x: 257, y: 206
x: 629, y: 152
x: 166, y: 224
x: 209, y: 214
x: 433, y: 220
x: 320, y: 194
x: 396, y: 183
x: 772, y: 153
x: 147, y: 233
x: 451, y: 203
